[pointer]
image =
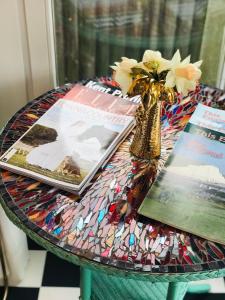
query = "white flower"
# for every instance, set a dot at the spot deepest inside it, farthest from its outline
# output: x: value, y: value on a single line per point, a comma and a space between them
x: 123, y: 73
x: 183, y: 74
x: 153, y: 60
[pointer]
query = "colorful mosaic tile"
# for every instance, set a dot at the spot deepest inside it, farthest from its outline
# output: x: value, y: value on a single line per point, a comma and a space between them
x: 103, y: 224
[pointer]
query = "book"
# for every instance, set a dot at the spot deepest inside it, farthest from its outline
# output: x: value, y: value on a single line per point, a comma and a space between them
x: 189, y: 193
x: 71, y: 141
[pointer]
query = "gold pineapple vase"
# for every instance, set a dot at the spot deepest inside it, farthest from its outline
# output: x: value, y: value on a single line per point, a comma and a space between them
x: 146, y: 143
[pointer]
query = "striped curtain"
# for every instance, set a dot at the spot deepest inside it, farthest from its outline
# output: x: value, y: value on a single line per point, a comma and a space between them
x: 92, y: 35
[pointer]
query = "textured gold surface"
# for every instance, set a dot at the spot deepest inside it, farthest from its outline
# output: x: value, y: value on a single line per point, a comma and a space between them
x: 146, y: 143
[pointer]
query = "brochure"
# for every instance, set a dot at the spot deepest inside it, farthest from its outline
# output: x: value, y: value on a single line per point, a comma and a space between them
x: 189, y: 193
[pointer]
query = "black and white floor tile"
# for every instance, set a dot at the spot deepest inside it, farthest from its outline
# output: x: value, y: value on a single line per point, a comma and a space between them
x: 49, y: 277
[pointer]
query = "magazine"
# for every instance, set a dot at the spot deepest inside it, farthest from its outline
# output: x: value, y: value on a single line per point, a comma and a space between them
x: 108, y: 88
x: 68, y: 144
x: 189, y: 194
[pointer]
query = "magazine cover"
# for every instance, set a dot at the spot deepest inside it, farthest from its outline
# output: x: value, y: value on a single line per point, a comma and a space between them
x: 100, y: 97
x: 66, y: 145
x: 189, y: 193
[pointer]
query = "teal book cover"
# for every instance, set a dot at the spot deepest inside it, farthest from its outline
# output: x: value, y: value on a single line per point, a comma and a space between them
x: 189, y: 193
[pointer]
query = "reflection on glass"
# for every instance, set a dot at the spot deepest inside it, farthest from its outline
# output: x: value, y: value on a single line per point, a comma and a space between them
x: 92, y: 35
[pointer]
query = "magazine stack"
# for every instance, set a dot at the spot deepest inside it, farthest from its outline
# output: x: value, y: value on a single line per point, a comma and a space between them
x: 73, y: 139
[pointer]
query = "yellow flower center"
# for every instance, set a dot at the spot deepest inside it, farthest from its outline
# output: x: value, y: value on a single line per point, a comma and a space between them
x: 152, y: 64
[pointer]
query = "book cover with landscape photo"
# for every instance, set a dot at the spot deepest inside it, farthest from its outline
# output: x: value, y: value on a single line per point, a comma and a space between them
x: 67, y: 145
x: 189, y: 193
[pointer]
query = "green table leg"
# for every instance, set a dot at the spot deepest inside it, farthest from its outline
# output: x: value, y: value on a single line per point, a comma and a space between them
x: 199, y: 288
x: 85, y: 283
x: 176, y: 290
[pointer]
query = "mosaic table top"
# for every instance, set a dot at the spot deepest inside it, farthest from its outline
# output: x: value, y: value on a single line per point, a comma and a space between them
x: 103, y: 226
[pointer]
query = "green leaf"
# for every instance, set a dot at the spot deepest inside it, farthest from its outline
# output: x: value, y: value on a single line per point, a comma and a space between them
x: 139, y: 71
x: 162, y: 75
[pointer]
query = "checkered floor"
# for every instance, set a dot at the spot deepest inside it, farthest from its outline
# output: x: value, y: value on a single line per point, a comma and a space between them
x: 49, y: 277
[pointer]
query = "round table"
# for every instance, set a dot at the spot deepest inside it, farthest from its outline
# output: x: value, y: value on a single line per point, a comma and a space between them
x: 122, y: 254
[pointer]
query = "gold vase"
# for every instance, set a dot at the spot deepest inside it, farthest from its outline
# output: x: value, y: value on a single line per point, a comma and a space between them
x: 146, y: 143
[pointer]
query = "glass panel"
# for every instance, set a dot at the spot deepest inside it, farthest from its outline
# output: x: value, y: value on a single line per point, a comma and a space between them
x: 92, y: 35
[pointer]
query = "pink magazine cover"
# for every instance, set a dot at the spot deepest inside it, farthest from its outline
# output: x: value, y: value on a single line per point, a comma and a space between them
x: 100, y: 100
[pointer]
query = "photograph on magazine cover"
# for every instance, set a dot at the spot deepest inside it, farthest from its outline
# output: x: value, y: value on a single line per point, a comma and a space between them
x: 66, y: 142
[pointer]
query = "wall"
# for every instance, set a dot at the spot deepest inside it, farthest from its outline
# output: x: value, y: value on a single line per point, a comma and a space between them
x: 26, y: 57
x: 212, y: 49
x: 13, y: 92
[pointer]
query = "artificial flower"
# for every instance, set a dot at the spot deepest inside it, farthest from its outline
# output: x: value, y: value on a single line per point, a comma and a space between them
x: 153, y: 61
x: 123, y: 73
x: 183, y: 74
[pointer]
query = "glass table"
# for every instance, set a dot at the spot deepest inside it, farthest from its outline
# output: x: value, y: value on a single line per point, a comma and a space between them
x: 122, y: 254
